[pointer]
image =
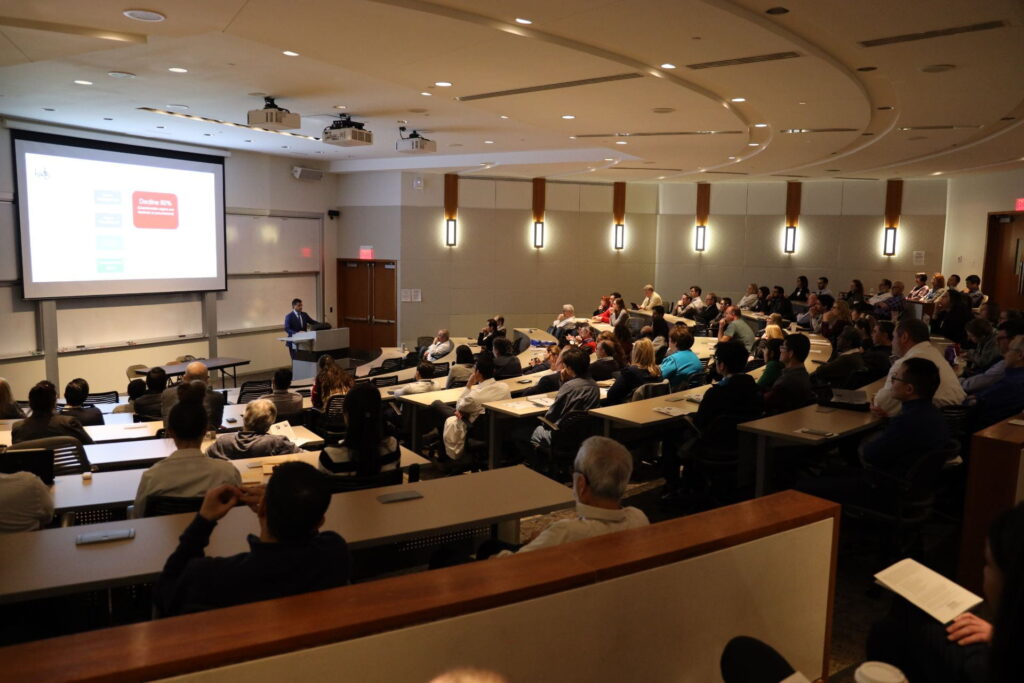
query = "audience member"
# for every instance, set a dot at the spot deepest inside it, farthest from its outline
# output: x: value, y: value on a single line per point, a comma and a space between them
x: 734, y: 327
x: 287, y: 403
x: 618, y: 314
x: 793, y: 388
x: 883, y: 293
x: 937, y: 289
x: 651, y: 299
x: 148, y: 406
x: 877, y: 354
x: 891, y: 308
x: 565, y: 319
x: 254, y: 441
x: 1005, y: 397
x: 778, y: 303
x: 44, y: 422
x: 1006, y: 332
x: 953, y: 282
x: 989, y: 310
x: 802, y: 290
x: 136, y: 388
x: 289, y: 557
x: 974, y: 292
x: 75, y: 395
x: 811, y: 317
x: 603, y: 306
x: 213, y: 402
x: 423, y: 382
x: 605, y: 365
x: 921, y: 288
x: 640, y: 371
x: 544, y: 364
x: 462, y: 369
x: 506, y: 363
x: 773, y: 327
x: 847, y: 366
x: 583, y: 339
x: 330, y: 380
x: 761, y: 305
x: 681, y: 363
x: 951, y: 321
x: 659, y: 327
x: 682, y: 305
x: 854, y: 296
x: 26, y: 503
x: 9, y: 408
x: 500, y: 319
x: 485, y: 340
x: 439, y: 348
x: 710, y: 311
x: 823, y: 289
x: 577, y: 392
x: 187, y: 472
x: 550, y: 381
x: 771, y: 349
x: 835, y: 320
x: 482, y: 388
x: 624, y: 338
x: 985, y: 352
x: 366, y: 449
x: 696, y: 305
x: 748, y: 300
x: 911, y: 340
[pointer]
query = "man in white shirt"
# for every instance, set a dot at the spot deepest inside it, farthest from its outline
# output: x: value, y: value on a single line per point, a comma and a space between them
x: 600, y: 473
x: 481, y: 388
x: 911, y: 340
x: 884, y: 292
x: 823, y: 289
x: 651, y: 298
x: 187, y: 472
x: 696, y: 303
x: 424, y: 381
x: 25, y: 502
x: 440, y: 348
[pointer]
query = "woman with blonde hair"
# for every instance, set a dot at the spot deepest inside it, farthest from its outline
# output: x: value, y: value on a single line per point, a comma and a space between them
x: 640, y: 371
x: 9, y: 408
x: 773, y: 329
x: 835, y: 320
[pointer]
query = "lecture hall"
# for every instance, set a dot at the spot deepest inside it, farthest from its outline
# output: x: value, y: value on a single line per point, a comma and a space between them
x: 432, y: 340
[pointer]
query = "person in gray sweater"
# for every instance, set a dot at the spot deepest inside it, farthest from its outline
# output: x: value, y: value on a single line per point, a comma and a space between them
x: 578, y: 392
x: 253, y: 441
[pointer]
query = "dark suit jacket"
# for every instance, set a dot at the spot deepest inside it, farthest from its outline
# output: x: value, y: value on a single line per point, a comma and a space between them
x: 213, y: 402
x: 736, y: 396
x: 549, y: 382
x: 292, y: 324
x: 602, y: 369
x: 87, y: 415
x: 506, y: 367
x: 33, y: 428
x: 149, y: 405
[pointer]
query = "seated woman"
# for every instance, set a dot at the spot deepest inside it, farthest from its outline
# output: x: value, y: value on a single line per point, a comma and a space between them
x: 748, y: 300
x: 952, y: 313
x: 366, y: 449
x: 938, y: 289
x: 802, y: 290
x: 770, y: 352
x: 253, y: 441
x: 606, y: 303
x: 616, y: 314
x: 624, y: 337
x: 835, y: 320
x: 640, y: 371
x: 773, y: 328
x: 616, y: 352
x: 854, y: 296
x: 762, y: 303
x: 537, y: 364
x: 462, y: 368
x: 9, y: 408
x: 330, y: 380
x: 681, y: 363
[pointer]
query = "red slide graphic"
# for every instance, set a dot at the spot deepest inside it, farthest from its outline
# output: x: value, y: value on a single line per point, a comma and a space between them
x: 155, y: 210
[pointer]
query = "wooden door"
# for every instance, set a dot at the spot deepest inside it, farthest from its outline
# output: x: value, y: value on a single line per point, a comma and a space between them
x: 1003, y: 278
x: 367, y: 303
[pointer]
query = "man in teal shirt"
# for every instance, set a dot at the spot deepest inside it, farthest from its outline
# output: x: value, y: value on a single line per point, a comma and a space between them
x: 682, y: 363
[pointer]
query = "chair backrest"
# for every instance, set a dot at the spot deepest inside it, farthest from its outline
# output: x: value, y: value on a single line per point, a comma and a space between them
x: 442, y: 369
x: 130, y: 370
x: 457, y: 383
x: 157, y: 506
x: 422, y: 342
x: 650, y: 390
x: 574, y: 428
x: 392, y: 364
x: 38, y: 461
x: 68, y: 455
x: 339, y: 484
x: 389, y: 381
x: 335, y: 408
x: 102, y: 397
x: 253, y: 389
x: 697, y: 379
x: 304, y: 392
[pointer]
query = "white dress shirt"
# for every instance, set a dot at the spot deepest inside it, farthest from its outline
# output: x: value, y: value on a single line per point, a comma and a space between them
x: 25, y: 502
x: 438, y: 350
x: 589, y: 522
x: 186, y: 473
x: 879, y: 298
x: 651, y: 301
x: 471, y: 403
x: 949, y: 393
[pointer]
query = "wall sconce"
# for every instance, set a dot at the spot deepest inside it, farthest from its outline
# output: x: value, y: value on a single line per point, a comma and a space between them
x: 701, y: 238
x: 538, y: 234
x: 789, y: 245
x: 620, y: 236
x: 889, y: 246
x: 449, y: 232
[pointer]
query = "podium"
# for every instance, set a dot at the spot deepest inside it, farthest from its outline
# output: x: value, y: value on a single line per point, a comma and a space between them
x: 310, y: 346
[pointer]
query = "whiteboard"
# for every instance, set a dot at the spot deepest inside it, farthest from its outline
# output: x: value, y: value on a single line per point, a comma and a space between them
x: 19, y: 322
x: 110, y: 320
x: 9, y: 252
x: 272, y: 244
x: 264, y: 300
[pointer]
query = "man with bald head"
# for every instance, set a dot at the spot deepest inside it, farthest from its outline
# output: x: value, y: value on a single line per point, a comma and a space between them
x: 213, y: 402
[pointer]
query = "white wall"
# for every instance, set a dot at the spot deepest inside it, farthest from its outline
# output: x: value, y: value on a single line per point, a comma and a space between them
x: 971, y: 198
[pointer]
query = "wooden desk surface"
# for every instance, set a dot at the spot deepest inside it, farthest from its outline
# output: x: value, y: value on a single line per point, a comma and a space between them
x: 121, y: 432
x: 643, y: 414
x: 536, y: 334
x: 118, y: 488
x: 516, y: 385
x: 49, y: 563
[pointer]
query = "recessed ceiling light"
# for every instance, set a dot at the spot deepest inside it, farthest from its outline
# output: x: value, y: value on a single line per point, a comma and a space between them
x: 732, y: 158
x: 83, y: 82
x: 760, y: 125
x: 609, y: 159
x: 247, y: 140
x: 502, y: 117
x: 290, y: 53
x: 667, y: 65
x: 143, y: 15
x: 568, y: 116
x: 209, y: 135
x: 443, y: 84
x: 937, y: 173
x: 427, y: 94
x: 621, y: 142
x: 801, y: 102
x: 178, y: 107
x: 340, y: 106
x: 776, y: 10
x: 488, y: 142
x: 524, y: 22
x: 120, y: 74
x: 284, y: 146
x: 738, y: 99
x: 753, y: 144
x: 178, y: 70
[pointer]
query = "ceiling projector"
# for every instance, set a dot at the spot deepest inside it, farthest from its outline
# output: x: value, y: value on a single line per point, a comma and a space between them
x: 273, y: 117
x: 345, y: 132
x: 415, y: 143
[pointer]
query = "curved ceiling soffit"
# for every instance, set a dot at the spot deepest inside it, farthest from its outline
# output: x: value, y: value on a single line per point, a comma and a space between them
x: 593, y: 50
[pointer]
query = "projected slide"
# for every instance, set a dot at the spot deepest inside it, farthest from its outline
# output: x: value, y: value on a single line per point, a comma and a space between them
x: 100, y: 222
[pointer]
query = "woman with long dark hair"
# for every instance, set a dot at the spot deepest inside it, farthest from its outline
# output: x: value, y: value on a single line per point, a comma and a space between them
x: 366, y: 449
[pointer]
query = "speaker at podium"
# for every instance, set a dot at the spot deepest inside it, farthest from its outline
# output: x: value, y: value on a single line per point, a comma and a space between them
x: 310, y: 346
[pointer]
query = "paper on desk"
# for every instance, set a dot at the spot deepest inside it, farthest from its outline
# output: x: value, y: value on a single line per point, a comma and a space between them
x: 928, y: 590
x: 604, y: 392
x: 545, y: 401
x: 519, y: 405
x: 283, y: 429
x: 669, y: 410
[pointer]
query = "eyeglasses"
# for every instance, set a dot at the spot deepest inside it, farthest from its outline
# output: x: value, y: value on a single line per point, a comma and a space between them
x: 894, y: 378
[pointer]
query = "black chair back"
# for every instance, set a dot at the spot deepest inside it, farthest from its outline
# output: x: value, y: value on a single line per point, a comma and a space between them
x: 38, y: 461
x: 102, y: 397
x: 389, y: 381
x: 695, y: 380
x: 442, y: 369
x: 157, y: 506
x: 650, y: 390
x: 252, y: 390
x: 392, y: 364
x: 341, y: 484
x: 68, y: 455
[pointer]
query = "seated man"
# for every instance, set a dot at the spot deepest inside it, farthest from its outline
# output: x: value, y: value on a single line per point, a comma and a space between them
x: 681, y: 363
x: 44, y: 422
x: 148, y: 406
x: 921, y: 288
x: 578, y: 392
x: 584, y: 339
x: 1004, y: 333
x: 75, y: 394
x: 506, y: 363
x: 490, y: 332
x: 289, y: 557
x: 813, y: 310
x: 213, y: 402
x: 26, y: 503
x: 793, y: 387
x: 423, y: 383
x: 778, y: 303
x: 565, y: 319
x: 440, y: 347
x: 601, y: 472
x: 884, y: 292
x: 696, y: 304
x: 732, y: 327
x: 253, y: 441
x: 604, y: 365
x: 681, y: 305
x: 287, y: 402
x: 849, y: 362
x: 986, y: 350
x: 651, y: 299
x: 1004, y: 398
x: 911, y: 340
x: 823, y: 289
x: 481, y: 388
x: 136, y: 390
x: 892, y: 306
x: 187, y: 472
x: 974, y: 292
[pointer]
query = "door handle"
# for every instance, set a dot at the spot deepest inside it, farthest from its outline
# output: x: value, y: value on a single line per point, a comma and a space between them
x: 358, y: 320
x: 383, y: 322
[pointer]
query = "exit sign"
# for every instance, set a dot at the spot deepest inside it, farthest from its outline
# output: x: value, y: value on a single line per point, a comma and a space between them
x: 1020, y: 204
x: 366, y: 253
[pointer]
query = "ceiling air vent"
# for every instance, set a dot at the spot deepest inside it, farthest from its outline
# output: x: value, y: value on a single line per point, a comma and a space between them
x: 549, y: 86
x: 938, y: 33
x: 744, y: 60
